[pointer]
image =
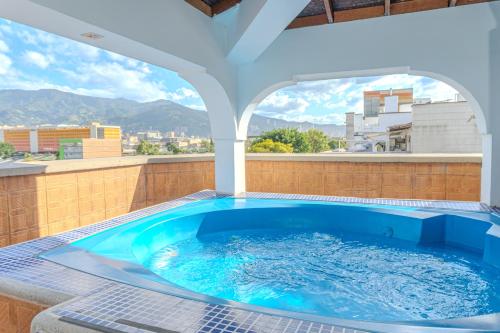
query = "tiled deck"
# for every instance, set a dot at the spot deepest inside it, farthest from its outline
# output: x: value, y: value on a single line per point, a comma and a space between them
x: 113, y: 307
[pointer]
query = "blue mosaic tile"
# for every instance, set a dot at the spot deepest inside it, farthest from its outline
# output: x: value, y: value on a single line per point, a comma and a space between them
x: 125, y: 306
x: 436, y: 204
x: 122, y: 308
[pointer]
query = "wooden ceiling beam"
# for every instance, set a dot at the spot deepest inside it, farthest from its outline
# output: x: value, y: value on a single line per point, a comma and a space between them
x: 387, y: 7
x: 201, y: 6
x: 224, y: 5
x: 329, y: 10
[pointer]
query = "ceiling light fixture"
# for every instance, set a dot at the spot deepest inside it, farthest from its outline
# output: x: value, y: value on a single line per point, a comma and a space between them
x: 92, y: 35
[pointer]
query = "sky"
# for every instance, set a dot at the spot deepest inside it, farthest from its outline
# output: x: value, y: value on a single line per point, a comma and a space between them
x: 32, y: 59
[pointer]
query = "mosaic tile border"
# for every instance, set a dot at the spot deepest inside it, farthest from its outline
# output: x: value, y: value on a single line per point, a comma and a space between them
x: 433, y: 204
x: 20, y: 262
x: 129, y: 309
x: 116, y: 307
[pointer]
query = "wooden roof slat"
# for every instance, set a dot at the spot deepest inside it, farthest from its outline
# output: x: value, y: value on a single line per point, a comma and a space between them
x: 319, y: 12
x: 224, y: 5
x: 307, y: 21
x: 329, y: 10
x: 417, y: 6
x: 358, y: 13
x: 201, y: 6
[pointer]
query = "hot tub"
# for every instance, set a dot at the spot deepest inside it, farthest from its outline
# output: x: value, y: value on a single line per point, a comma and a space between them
x: 372, y: 267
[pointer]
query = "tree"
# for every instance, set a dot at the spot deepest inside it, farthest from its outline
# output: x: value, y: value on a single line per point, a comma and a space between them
x: 148, y: 148
x: 318, y: 141
x: 6, y: 150
x: 208, y: 146
x: 173, y: 148
x: 337, y: 143
x: 269, y: 146
x: 288, y: 136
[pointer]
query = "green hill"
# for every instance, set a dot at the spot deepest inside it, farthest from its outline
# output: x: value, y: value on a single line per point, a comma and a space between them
x: 38, y: 107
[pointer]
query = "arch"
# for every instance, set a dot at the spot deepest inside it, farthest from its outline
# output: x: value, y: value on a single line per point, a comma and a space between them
x: 221, y: 112
x: 247, y: 112
x: 479, y: 112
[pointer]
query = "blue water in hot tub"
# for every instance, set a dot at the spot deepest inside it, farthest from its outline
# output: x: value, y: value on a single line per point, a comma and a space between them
x: 374, y: 263
x: 332, y: 274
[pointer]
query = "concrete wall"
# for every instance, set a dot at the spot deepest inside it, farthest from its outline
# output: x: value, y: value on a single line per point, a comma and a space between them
x: 70, y: 194
x: 445, y: 128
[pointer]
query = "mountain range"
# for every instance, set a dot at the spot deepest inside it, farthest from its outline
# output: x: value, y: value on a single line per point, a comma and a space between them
x: 48, y: 106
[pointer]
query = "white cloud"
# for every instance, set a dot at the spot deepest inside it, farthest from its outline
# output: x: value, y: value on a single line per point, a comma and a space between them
x: 4, y: 48
x: 128, y: 61
x: 118, y: 81
x: 439, y: 91
x: 280, y: 103
x: 115, y: 56
x: 88, y: 51
x: 5, y: 28
x: 37, y: 59
x: 5, y: 64
x: 331, y: 118
x: 181, y: 94
x: 320, y: 91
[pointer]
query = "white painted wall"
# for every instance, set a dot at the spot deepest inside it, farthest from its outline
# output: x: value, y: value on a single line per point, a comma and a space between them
x: 445, y: 128
x: 386, y: 120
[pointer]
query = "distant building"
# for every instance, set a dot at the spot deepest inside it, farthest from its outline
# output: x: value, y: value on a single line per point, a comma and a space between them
x: 387, y: 101
x: 422, y: 127
x: 399, y: 138
x: 151, y: 136
x: 367, y: 132
x: 445, y: 128
x: 47, y: 139
x: 169, y: 134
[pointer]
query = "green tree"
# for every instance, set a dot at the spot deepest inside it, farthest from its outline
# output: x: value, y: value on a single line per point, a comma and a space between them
x: 148, y: 148
x: 288, y: 136
x: 208, y: 145
x: 269, y: 146
x: 6, y: 150
x: 337, y: 143
x: 173, y: 148
x: 318, y: 141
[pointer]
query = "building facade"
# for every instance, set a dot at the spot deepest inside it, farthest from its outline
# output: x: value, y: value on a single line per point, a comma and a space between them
x: 399, y: 125
x: 48, y: 139
x: 445, y: 128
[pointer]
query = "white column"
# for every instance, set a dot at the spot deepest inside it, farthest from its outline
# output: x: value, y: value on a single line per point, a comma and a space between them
x: 490, y: 175
x: 229, y: 166
x: 486, y: 171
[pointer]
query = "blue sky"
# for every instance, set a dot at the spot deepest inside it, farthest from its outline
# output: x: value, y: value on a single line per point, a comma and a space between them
x: 31, y: 59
